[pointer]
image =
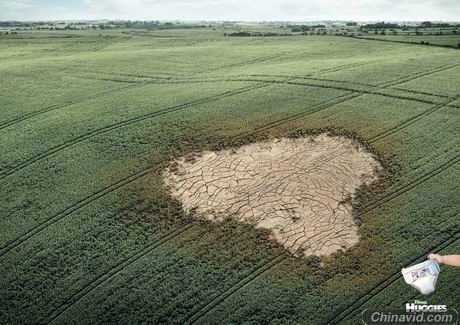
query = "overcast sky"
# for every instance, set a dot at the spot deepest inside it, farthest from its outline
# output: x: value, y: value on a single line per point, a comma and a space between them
x: 250, y: 10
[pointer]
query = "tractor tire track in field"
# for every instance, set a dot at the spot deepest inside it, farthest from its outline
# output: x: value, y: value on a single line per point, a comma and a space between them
x: 132, y: 84
x: 307, y: 77
x: 58, y: 106
x: 239, y: 64
x: 385, y: 283
x: 254, y: 274
x: 242, y: 64
x: 299, y: 115
x: 323, y: 71
x: 346, y: 82
x: 344, y: 98
x: 174, y: 79
x: 84, y: 202
x: 359, y: 91
x: 291, y: 81
x: 111, y: 273
x: 399, y: 81
x: 412, y: 120
x: 120, y: 124
x: 419, y: 75
x: 383, y: 85
x: 342, y: 67
x: 425, y: 177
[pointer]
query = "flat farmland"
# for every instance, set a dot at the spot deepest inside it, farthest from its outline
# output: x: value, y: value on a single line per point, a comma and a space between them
x: 90, y: 121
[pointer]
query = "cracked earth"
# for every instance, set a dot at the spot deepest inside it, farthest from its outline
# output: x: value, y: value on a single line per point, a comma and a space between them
x: 300, y: 189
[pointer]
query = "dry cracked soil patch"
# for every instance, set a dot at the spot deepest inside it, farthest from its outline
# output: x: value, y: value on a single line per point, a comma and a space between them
x: 300, y: 189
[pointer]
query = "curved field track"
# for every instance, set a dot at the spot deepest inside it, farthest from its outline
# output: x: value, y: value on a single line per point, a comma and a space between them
x: 90, y: 120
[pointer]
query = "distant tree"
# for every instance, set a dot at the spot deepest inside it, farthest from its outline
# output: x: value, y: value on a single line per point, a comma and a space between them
x: 381, y: 25
x: 426, y: 24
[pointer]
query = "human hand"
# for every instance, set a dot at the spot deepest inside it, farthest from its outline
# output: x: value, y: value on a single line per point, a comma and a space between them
x: 435, y: 257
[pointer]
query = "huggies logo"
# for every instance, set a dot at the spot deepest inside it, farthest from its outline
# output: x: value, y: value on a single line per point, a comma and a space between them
x: 421, y: 306
x: 417, y: 312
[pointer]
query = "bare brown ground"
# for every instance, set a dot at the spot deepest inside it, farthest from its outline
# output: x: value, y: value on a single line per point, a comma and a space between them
x: 300, y: 189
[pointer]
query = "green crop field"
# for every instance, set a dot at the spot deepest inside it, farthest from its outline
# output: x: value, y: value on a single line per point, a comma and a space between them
x: 90, y: 119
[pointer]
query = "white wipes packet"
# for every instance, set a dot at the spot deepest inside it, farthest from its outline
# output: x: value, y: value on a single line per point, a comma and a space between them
x: 422, y: 276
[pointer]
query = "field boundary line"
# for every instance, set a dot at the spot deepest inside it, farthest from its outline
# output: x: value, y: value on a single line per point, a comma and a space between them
x: 69, y: 103
x: 382, y: 285
x: 232, y: 289
x: 123, y: 123
x: 113, y: 272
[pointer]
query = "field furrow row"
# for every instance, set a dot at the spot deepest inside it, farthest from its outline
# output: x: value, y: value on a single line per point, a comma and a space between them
x: 55, y: 313
x: 118, y: 125
x: 252, y: 275
x: 69, y: 103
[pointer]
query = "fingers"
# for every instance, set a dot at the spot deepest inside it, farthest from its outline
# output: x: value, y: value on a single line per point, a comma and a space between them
x: 435, y: 257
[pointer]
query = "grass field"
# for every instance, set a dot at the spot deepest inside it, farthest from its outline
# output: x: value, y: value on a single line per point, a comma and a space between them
x: 90, y: 119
